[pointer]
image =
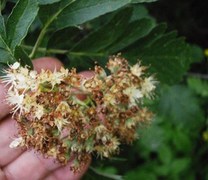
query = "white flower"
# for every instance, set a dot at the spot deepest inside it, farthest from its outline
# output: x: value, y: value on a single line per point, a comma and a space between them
x: 52, y: 77
x: 64, y: 72
x: 17, y: 142
x: 21, y: 82
x: 15, y: 99
x: 148, y: 86
x: 60, y: 122
x: 9, y: 79
x: 15, y: 66
x: 29, y: 102
x: 109, y: 98
x: 39, y: 111
x: 56, y: 78
x: 33, y: 74
x: 134, y: 94
x: 137, y: 69
x: 19, y: 78
x: 63, y: 108
x: 100, y: 129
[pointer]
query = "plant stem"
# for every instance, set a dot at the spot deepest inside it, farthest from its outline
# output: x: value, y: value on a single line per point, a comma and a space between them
x: 86, y: 54
x: 44, y: 30
x: 63, y: 51
x: 42, y: 49
x: 40, y: 38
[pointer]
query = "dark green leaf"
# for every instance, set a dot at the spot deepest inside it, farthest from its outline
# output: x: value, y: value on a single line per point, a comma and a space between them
x: 106, y: 35
x: 182, y: 141
x: 197, y: 53
x: 152, y: 138
x: 2, y: 67
x: 6, y: 55
x: 41, y: 2
x: 70, y: 38
x: 168, y: 56
x: 142, y: 1
x: 162, y: 170
x: 139, y: 12
x: 199, y: 86
x: 2, y: 27
x: 165, y: 154
x: 140, y: 174
x: 180, y: 165
x: 19, y: 21
x: 155, y: 34
x: 80, y: 12
x: 179, y: 104
x: 133, y: 32
x: 77, y: 12
x: 21, y: 56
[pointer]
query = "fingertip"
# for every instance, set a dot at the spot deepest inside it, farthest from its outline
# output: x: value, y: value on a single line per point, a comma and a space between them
x: 87, y: 74
x: 50, y: 63
x: 64, y: 173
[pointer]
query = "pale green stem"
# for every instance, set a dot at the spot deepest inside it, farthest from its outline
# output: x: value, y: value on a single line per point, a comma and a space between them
x: 62, y: 51
x: 44, y: 50
x: 43, y: 32
x: 86, y: 54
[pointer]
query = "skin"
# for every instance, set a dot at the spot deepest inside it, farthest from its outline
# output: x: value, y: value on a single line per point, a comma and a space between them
x: 16, y: 164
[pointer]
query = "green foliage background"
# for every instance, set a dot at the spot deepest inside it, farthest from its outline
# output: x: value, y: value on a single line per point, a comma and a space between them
x: 80, y: 32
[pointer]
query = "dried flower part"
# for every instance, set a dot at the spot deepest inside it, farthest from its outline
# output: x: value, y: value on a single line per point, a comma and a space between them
x: 55, y: 122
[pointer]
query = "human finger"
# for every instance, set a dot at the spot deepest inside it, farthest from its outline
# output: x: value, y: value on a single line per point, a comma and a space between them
x: 8, y: 130
x: 50, y: 63
x: 4, y: 107
x: 2, y: 175
x: 64, y: 173
x: 30, y: 166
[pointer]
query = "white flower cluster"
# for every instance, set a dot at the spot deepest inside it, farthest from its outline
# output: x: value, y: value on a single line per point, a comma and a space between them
x: 21, y: 79
x: 60, y: 112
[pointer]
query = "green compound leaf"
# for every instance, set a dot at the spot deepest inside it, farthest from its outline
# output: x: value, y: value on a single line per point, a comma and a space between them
x: 167, y: 55
x: 19, y: 21
x: 111, y: 38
